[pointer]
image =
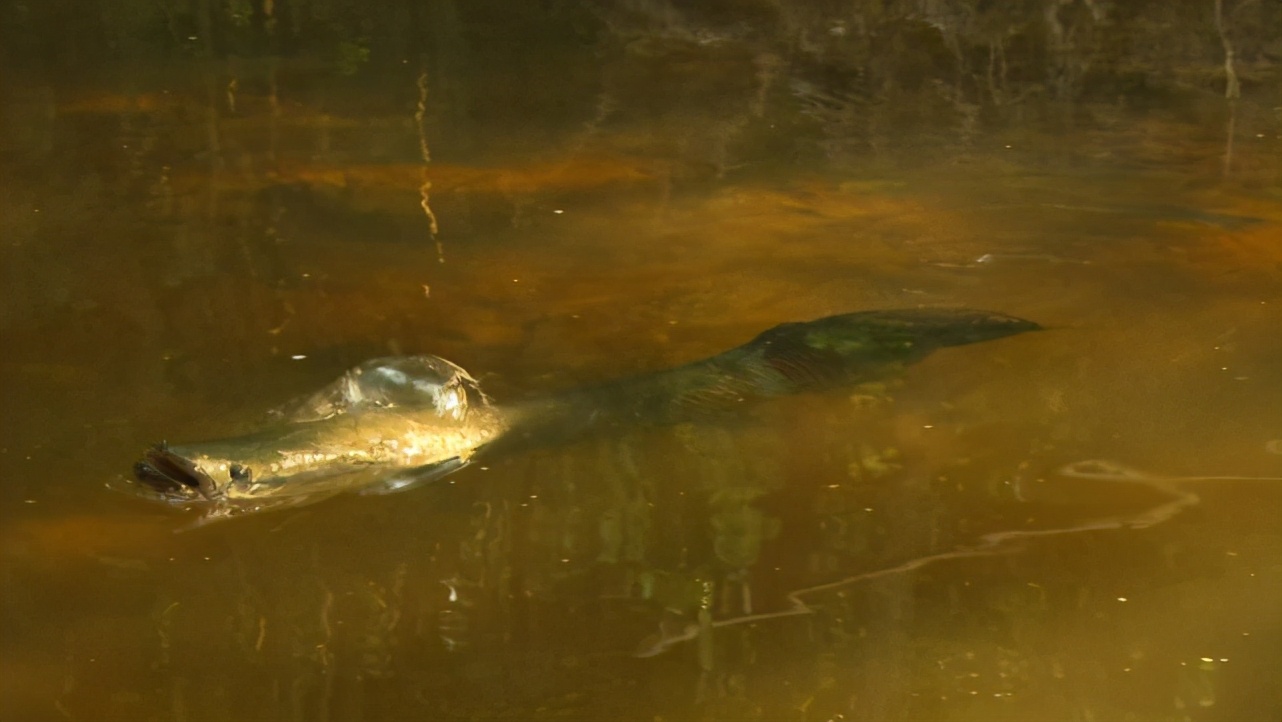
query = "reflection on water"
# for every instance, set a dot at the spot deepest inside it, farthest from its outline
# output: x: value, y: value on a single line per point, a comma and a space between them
x: 1077, y: 524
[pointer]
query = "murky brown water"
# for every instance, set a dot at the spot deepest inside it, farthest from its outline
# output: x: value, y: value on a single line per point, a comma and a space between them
x: 186, y: 245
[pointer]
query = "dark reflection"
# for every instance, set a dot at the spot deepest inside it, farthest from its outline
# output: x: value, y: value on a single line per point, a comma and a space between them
x: 213, y: 206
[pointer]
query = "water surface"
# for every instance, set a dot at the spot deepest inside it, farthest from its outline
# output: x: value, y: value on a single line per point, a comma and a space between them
x: 190, y: 242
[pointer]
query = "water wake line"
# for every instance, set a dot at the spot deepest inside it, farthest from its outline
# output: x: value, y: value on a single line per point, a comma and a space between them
x: 1177, y: 500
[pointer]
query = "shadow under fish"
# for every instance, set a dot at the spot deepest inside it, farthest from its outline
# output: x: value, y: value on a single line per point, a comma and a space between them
x: 392, y: 424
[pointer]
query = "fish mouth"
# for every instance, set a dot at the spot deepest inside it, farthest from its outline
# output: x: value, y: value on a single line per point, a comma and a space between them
x: 173, y: 476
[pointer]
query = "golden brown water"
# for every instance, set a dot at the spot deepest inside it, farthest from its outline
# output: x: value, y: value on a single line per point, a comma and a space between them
x: 182, y: 252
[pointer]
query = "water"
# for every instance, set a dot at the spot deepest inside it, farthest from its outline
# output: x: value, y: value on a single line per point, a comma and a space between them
x: 189, y: 242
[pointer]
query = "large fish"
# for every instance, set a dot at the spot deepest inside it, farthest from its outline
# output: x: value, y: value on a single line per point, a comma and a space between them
x: 394, y: 423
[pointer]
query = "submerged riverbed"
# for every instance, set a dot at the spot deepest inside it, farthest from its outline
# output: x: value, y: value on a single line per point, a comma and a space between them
x: 1074, y: 524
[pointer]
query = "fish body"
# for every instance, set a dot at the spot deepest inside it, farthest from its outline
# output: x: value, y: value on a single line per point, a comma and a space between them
x: 394, y: 423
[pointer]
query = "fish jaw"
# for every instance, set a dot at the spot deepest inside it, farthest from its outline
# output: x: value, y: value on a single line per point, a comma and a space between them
x: 173, y: 477
x: 300, y: 463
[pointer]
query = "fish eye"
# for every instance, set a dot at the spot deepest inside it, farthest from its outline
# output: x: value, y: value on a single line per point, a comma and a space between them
x: 241, y: 474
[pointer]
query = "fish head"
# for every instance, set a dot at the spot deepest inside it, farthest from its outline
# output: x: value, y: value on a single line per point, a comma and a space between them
x: 381, y: 422
x: 227, y: 478
x: 167, y: 475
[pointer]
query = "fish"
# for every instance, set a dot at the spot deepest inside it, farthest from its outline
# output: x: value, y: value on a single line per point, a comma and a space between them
x: 397, y: 423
